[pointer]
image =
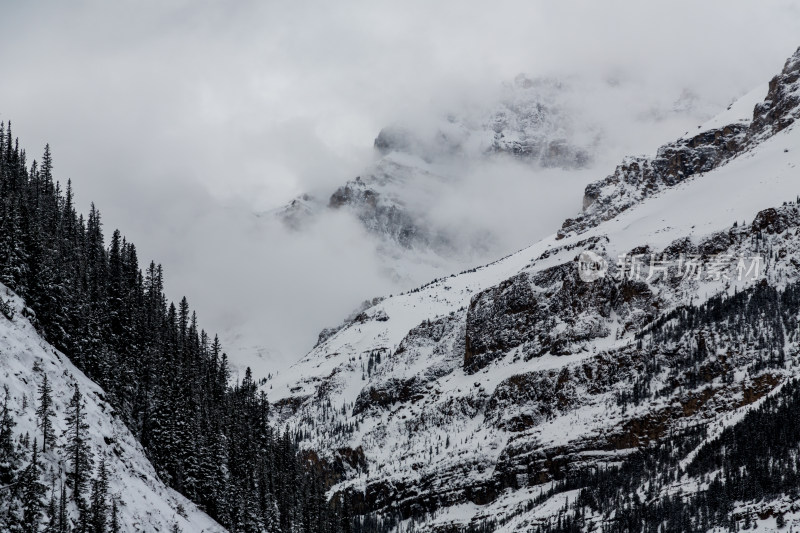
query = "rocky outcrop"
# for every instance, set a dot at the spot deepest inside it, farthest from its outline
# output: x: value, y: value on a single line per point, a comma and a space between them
x: 434, y: 342
x: 640, y: 177
x: 384, y: 216
x: 298, y: 213
x: 777, y: 220
x: 530, y: 124
x: 391, y: 391
x: 360, y: 315
x: 552, y: 311
x: 781, y: 107
x: 525, y: 400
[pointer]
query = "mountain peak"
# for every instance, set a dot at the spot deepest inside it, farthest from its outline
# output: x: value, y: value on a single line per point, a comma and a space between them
x: 489, y: 398
x: 781, y: 107
x: 714, y: 145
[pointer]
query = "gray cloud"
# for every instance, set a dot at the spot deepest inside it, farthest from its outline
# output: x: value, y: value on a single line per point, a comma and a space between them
x: 181, y: 118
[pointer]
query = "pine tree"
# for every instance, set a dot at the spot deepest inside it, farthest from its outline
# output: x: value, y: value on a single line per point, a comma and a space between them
x: 52, y: 513
x: 114, y: 526
x: 45, y: 413
x: 10, y: 486
x: 63, y: 520
x: 99, y: 509
x: 9, y: 459
x: 76, y: 448
x: 33, y: 491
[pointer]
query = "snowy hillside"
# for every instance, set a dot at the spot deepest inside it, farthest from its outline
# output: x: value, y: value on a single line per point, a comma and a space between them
x: 144, y: 502
x: 464, y: 401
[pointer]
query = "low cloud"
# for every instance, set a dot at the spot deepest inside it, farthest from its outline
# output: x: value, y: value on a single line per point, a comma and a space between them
x: 183, y: 119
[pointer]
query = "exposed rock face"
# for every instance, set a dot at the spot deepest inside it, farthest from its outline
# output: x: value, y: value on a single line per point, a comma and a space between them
x: 434, y: 341
x: 552, y: 311
x: 533, y: 397
x: 777, y: 220
x: 531, y: 125
x: 639, y: 177
x: 381, y: 215
x: 299, y: 212
x: 556, y: 153
x: 445, y: 141
x: 524, y: 401
x: 389, y: 392
x: 781, y: 107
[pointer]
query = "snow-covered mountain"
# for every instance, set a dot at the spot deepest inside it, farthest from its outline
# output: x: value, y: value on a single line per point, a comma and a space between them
x: 144, y: 502
x: 488, y: 397
x: 542, y: 126
x: 469, y: 180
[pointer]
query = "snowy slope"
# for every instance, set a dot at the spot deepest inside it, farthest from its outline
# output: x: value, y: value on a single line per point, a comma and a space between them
x: 145, y: 503
x: 452, y: 187
x: 739, y: 112
x: 764, y: 178
x: 491, y: 381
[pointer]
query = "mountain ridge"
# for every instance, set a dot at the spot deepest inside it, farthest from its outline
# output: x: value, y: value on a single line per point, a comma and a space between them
x: 437, y: 379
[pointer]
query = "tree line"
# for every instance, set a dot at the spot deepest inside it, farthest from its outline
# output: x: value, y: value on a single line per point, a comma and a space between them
x: 168, y: 380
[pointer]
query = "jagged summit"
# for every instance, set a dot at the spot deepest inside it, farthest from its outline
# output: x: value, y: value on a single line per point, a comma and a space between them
x: 530, y: 121
x: 749, y: 122
x: 781, y: 107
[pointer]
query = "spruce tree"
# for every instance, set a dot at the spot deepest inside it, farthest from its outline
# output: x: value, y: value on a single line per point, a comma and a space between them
x: 76, y: 448
x: 114, y: 525
x: 9, y: 458
x: 52, y: 513
x: 44, y: 413
x: 99, y: 502
x: 33, y: 491
x: 63, y: 520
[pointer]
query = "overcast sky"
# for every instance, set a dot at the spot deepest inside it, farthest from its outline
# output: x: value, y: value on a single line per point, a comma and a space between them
x: 179, y: 119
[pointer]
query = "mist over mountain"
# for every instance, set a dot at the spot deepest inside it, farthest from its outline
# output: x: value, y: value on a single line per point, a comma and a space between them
x: 184, y: 119
x: 481, y: 181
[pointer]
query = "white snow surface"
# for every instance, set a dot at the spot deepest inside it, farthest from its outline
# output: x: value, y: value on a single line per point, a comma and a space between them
x: 146, y: 504
x: 739, y: 112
